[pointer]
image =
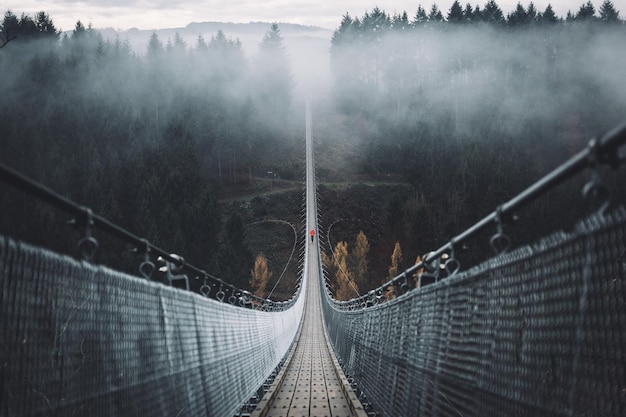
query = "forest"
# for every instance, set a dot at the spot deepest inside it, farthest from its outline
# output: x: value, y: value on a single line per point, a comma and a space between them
x: 432, y: 122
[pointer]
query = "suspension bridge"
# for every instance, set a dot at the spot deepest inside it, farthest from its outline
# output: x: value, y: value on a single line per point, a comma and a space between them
x: 539, y: 330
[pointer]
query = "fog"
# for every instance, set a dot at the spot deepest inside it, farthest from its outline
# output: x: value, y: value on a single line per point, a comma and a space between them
x: 539, y: 84
x: 526, y: 74
x: 466, y: 114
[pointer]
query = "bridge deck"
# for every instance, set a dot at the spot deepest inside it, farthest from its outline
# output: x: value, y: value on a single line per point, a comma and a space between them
x: 312, y: 383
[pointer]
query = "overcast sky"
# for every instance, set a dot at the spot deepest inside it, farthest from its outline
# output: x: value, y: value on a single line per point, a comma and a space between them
x: 158, y: 14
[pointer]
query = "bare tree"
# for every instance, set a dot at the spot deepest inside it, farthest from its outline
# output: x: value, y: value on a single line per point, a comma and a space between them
x: 5, y: 38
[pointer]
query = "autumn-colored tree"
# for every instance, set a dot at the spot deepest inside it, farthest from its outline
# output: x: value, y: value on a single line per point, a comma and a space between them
x: 359, y: 259
x: 346, y: 287
x: 396, y: 260
x: 417, y: 273
x: 260, y: 276
x: 330, y: 268
x: 394, y: 270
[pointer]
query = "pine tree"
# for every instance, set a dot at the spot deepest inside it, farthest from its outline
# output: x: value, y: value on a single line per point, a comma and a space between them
x: 531, y: 12
x: 478, y: 15
x: 376, y: 23
x: 586, y: 13
x: 548, y: 15
x: 155, y: 47
x: 274, y: 78
x: 400, y: 21
x: 420, y: 16
x: 201, y: 45
x: 608, y: 14
x: 345, y: 58
x: 79, y: 30
x: 455, y: 15
x: 345, y: 33
x: 28, y: 29
x: 518, y: 17
x: 227, y: 57
x: 178, y: 48
x: 8, y: 29
x: 435, y: 14
x: 45, y: 26
x: 492, y: 13
x: 468, y: 13
x: 260, y: 276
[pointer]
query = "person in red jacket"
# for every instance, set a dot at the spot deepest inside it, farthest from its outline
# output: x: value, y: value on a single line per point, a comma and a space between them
x: 312, y: 233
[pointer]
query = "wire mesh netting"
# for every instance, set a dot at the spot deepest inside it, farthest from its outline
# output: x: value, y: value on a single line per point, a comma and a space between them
x: 540, y: 331
x: 83, y: 340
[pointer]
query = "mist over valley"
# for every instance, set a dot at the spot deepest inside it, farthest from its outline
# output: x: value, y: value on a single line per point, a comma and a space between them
x: 424, y: 122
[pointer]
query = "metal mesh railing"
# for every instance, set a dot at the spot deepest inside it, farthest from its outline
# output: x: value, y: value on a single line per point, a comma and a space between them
x: 79, y: 339
x: 538, y: 331
x: 82, y: 339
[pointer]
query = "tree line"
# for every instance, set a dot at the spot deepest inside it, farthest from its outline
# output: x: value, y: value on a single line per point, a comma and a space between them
x: 491, y: 13
x: 467, y: 114
x: 145, y: 140
x: 472, y: 108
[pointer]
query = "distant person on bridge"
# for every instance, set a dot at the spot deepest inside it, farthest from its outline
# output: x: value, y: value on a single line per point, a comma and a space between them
x: 312, y: 233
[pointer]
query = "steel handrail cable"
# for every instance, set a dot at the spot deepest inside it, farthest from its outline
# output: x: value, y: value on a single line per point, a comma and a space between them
x: 534, y: 331
x: 21, y: 181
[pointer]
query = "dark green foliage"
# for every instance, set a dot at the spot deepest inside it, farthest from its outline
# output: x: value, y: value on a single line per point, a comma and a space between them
x: 143, y: 140
x: 467, y: 110
x: 548, y: 16
x: 420, y: 16
x: 492, y: 13
x: 435, y: 14
x: 608, y: 13
x: 586, y: 12
x: 26, y: 29
x: 470, y: 115
x: 274, y: 78
x: 455, y: 15
x: 234, y: 259
x: 519, y: 17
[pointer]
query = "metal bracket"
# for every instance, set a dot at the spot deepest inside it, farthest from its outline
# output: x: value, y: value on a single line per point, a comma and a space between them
x: 499, y: 242
x: 595, y: 191
x: 146, y: 268
x: 452, y: 265
x: 88, y: 245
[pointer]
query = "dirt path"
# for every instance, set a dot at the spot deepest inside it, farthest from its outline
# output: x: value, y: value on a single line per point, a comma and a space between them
x: 283, y: 186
